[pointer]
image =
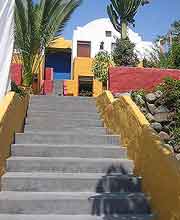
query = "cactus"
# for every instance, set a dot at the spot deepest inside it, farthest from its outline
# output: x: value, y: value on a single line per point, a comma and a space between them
x: 122, y: 13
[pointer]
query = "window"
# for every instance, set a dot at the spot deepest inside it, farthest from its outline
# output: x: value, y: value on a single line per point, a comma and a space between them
x: 84, y: 49
x: 102, y: 45
x: 108, y: 33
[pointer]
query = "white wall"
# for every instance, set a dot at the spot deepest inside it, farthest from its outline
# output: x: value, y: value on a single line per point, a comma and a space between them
x: 95, y: 32
x: 6, y: 42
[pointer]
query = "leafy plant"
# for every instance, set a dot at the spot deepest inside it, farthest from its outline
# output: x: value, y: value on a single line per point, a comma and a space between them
x: 171, y: 93
x: 17, y: 89
x: 35, y: 27
x: 167, y: 51
x: 139, y: 97
x: 86, y: 93
x: 100, y: 66
x: 124, y: 53
x: 122, y: 13
x: 157, y: 60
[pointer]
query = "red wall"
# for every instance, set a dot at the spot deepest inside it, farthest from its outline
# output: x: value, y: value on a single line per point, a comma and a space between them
x: 48, y: 87
x: 49, y: 73
x: 125, y: 79
x: 16, y: 73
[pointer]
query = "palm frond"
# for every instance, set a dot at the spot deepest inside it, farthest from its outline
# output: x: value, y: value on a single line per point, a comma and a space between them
x: 35, y: 26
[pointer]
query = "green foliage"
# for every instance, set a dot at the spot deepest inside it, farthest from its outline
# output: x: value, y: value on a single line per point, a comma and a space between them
x: 17, y: 89
x: 101, y: 64
x: 175, y: 28
x: 138, y: 97
x: 35, y: 27
x: 140, y: 92
x: 171, y: 93
x: 124, y: 53
x: 175, y: 141
x: 156, y: 59
x: 174, y: 55
x: 171, y: 58
x: 86, y: 93
x: 122, y: 13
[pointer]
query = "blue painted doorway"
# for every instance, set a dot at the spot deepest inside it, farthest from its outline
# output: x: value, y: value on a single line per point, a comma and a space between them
x: 61, y: 63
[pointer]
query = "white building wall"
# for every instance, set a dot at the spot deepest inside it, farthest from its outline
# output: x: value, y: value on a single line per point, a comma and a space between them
x: 6, y: 43
x: 95, y: 32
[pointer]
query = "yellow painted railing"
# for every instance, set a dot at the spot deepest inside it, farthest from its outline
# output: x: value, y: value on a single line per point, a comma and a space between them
x: 155, y: 163
x: 12, y: 114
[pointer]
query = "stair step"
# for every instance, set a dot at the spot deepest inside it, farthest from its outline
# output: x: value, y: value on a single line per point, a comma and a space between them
x: 63, y: 108
x: 84, y: 104
x: 67, y: 165
x: 58, y: 127
x: 70, y: 203
x: 75, y: 130
x: 61, y: 123
x: 64, y: 98
x: 75, y: 217
x: 61, y: 115
x: 50, y: 182
x: 36, y: 138
x: 88, y: 151
x: 74, y: 182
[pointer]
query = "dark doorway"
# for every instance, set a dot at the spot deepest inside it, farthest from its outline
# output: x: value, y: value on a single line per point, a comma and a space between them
x: 86, y: 86
x: 83, y: 49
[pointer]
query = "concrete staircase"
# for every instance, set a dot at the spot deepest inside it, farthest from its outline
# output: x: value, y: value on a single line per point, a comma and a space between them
x: 58, y: 87
x: 66, y: 167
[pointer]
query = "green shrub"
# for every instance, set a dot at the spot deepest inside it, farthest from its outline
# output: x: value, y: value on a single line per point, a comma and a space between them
x: 100, y: 66
x: 171, y: 93
x: 124, y: 53
x: 17, y: 89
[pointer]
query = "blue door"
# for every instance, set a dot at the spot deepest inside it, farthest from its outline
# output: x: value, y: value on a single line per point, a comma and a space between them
x: 61, y: 63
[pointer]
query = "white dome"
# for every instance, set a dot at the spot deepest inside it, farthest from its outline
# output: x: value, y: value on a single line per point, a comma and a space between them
x: 95, y: 30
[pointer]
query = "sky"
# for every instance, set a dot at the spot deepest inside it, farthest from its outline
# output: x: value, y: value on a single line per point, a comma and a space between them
x: 151, y: 20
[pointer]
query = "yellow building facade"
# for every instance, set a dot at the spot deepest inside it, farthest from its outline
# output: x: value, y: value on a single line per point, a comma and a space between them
x: 77, y: 76
x: 81, y: 73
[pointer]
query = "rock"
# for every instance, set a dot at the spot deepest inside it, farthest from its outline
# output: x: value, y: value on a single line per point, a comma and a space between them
x: 177, y: 148
x: 139, y: 100
x: 158, y: 94
x: 172, y: 124
x: 164, y: 136
x: 151, y: 98
x: 144, y: 110
x: 150, y: 117
x: 177, y: 156
x: 117, y: 95
x: 156, y: 126
x: 166, y: 129
x: 169, y: 147
x: 161, y: 117
x: 152, y: 108
x: 161, y: 109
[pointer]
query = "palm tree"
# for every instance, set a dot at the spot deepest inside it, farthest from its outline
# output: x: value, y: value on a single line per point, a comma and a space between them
x: 122, y: 13
x: 36, y: 25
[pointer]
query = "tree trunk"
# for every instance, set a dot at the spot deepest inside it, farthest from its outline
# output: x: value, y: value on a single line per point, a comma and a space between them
x: 124, y: 33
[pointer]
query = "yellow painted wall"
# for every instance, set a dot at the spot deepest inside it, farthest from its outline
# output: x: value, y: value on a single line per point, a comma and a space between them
x: 97, y: 88
x: 155, y: 163
x: 82, y: 67
x: 12, y: 115
x: 69, y: 87
x: 60, y: 43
